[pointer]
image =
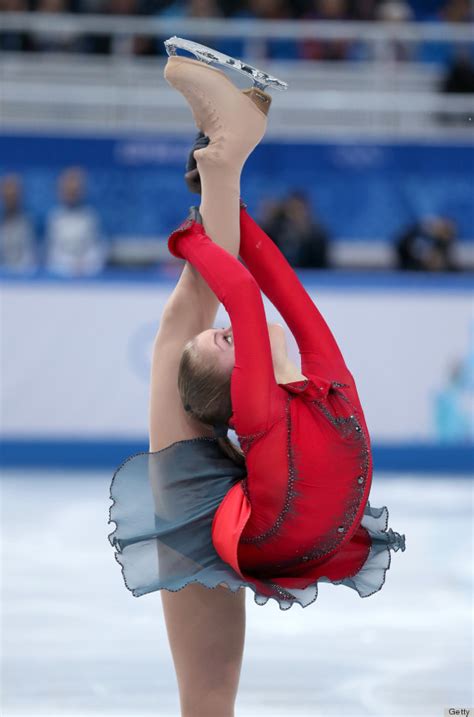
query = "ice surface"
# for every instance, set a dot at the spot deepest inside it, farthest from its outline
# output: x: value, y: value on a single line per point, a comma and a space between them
x: 76, y: 643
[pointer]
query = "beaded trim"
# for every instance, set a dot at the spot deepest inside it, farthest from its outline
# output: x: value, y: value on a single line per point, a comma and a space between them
x: 290, y: 492
x: 186, y: 224
x: 246, y: 442
x: 303, y: 386
x: 341, y: 394
x: 330, y: 541
x: 335, y: 386
x: 282, y: 593
x: 342, y: 422
x: 335, y: 536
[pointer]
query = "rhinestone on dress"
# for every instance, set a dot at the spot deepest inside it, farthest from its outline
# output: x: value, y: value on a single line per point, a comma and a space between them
x: 349, y: 428
x: 290, y: 493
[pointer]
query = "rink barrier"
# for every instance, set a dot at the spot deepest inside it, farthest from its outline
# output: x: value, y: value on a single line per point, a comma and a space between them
x: 396, y: 459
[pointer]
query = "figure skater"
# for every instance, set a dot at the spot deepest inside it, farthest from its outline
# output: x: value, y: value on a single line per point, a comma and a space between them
x: 288, y: 508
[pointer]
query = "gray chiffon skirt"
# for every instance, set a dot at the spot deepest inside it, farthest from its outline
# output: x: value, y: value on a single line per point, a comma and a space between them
x: 163, y: 503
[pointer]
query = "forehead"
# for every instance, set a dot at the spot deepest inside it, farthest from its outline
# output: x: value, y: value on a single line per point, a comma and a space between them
x: 202, y: 341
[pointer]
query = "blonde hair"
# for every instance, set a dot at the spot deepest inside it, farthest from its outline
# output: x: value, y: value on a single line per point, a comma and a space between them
x: 205, y: 393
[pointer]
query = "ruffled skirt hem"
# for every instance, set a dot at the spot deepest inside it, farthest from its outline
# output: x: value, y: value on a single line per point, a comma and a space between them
x: 172, y: 548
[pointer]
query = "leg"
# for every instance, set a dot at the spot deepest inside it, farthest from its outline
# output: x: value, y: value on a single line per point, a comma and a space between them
x: 235, y: 125
x: 206, y: 631
x: 317, y: 345
x: 206, y: 628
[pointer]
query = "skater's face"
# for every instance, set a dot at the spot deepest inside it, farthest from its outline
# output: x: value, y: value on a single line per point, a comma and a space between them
x: 218, y: 345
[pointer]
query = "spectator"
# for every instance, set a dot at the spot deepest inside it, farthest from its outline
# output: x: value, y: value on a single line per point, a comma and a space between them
x: 269, y: 9
x: 395, y: 11
x: 319, y: 49
x: 193, y: 8
x: 459, y: 79
x: 460, y: 76
x: 129, y: 44
x: 14, y: 40
x: 17, y: 237
x: 74, y: 245
x: 203, y: 9
x: 428, y: 246
x: 126, y: 43
x: 458, y: 11
x: 298, y: 235
x: 362, y: 10
x: 276, y: 48
x: 94, y: 7
x: 53, y: 40
x: 453, y: 406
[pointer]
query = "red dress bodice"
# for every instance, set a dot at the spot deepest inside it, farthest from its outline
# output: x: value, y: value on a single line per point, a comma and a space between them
x: 296, y: 516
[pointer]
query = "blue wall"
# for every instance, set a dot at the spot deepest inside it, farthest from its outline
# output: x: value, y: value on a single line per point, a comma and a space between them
x: 359, y: 189
x: 100, y: 454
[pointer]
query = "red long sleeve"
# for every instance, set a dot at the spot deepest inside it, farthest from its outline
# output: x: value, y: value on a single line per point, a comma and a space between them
x: 308, y: 475
x: 318, y: 348
x: 256, y: 397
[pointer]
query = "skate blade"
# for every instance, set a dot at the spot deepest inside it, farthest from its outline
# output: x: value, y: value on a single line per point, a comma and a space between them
x: 207, y: 54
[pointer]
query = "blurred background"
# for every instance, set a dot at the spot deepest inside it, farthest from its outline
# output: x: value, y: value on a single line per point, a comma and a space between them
x: 365, y: 181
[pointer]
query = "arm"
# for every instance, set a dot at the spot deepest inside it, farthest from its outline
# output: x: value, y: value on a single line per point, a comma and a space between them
x: 190, y: 309
x: 318, y: 347
x: 254, y: 391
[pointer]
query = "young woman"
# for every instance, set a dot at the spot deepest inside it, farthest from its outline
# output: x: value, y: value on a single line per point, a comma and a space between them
x: 290, y: 508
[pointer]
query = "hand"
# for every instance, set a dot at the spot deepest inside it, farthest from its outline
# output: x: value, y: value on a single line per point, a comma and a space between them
x: 193, y: 181
x: 191, y: 177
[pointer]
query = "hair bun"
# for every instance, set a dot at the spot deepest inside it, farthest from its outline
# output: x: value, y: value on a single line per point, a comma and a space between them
x: 220, y: 430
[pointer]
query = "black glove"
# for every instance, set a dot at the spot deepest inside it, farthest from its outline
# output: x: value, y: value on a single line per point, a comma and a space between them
x: 192, y: 177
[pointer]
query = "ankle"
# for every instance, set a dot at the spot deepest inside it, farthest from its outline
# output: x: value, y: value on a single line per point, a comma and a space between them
x: 227, y: 150
x: 221, y: 157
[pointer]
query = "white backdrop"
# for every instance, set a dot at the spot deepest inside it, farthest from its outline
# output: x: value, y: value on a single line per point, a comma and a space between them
x: 75, y: 358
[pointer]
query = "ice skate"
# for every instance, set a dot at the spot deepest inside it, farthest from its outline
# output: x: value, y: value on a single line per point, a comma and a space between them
x: 207, y: 55
x: 234, y: 120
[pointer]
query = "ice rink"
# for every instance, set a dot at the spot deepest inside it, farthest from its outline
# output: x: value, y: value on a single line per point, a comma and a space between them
x: 76, y: 642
